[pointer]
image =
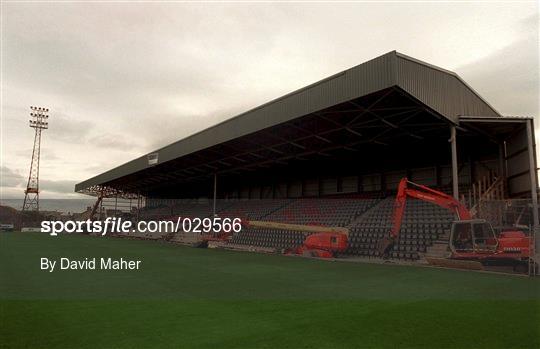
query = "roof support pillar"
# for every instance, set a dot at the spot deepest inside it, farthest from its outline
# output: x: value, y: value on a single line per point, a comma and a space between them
x: 139, y: 206
x: 215, y: 195
x: 453, y: 142
x: 502, y: 167
x: 534, y: 184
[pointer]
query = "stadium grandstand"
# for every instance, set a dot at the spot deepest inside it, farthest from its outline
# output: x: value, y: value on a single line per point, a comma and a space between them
x: 333, y: 153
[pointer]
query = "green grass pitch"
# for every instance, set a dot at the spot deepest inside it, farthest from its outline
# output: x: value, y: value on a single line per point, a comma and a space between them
x: 184, y: 297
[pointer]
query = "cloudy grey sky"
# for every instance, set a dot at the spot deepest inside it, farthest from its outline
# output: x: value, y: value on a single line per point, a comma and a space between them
x: 122, y: 79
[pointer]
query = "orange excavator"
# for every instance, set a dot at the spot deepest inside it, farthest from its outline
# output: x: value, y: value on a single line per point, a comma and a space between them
x: 470, y: 239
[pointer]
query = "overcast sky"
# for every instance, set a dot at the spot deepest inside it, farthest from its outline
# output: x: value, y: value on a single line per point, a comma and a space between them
x: 122, y: 79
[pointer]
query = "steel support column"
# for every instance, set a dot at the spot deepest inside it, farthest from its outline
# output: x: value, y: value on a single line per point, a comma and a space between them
x: 502, y: 167
x: 534, y: 185
x: 455, y: 184
x: 215, y: 195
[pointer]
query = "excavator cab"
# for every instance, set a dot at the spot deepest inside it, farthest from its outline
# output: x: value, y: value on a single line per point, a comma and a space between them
x: 472, y: 236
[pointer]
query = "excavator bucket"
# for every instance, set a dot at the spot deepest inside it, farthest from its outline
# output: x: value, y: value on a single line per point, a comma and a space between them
x: 385, y: 245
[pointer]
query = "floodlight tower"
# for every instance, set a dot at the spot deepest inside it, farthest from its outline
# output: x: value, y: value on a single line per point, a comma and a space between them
x: 39, y: 122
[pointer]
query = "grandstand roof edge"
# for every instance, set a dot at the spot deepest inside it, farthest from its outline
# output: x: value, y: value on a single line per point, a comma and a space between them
x: 387, y: 76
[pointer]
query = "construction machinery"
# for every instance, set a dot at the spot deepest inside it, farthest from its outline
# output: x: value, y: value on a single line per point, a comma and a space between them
x: 470, y: 239
x: 323, y: 242
x: 205, y: 240
x: 321, y: 245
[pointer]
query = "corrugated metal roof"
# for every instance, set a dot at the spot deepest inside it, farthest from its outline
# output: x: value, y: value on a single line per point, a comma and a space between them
x: 441, y: 90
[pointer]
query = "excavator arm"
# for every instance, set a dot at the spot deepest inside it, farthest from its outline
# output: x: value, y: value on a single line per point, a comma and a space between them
x: 408, y: 189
